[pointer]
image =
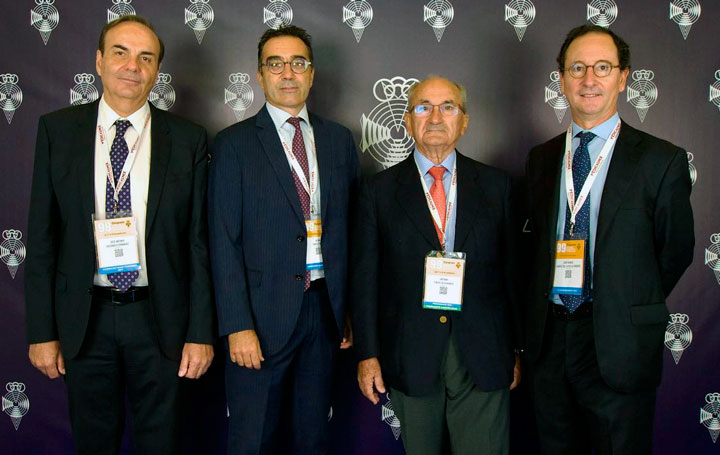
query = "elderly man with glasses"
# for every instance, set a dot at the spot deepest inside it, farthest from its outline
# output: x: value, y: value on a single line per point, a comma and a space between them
x: 279, y: 197
x: 431, y: 295
x: 613, y: 234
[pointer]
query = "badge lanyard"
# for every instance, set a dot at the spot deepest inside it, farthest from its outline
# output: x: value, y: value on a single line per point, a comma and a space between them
x: 129, y: 161
x: 576, y: 204
x: 312, y: 187
x: 431, y: 204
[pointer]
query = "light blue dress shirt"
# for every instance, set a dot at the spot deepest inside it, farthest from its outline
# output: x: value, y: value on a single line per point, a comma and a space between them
x: 424, y: 165
x: 602, y: 131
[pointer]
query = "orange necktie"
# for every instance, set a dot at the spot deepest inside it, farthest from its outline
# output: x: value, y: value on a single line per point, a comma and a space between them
x: 437, y: 192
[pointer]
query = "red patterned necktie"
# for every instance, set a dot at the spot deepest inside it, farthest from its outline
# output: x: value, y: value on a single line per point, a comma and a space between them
x: 437, y: 192
x: 298, y: 149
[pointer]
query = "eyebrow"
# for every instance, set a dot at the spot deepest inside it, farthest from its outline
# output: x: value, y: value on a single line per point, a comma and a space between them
x: 451, y: 101
x: 291, y: 58
x: 124, y: 48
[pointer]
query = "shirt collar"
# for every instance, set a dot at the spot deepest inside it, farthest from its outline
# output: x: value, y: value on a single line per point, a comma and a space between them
x: 279, y: 116
x: 425, y: 164
x: 107, y: 116
x: 602, y: 130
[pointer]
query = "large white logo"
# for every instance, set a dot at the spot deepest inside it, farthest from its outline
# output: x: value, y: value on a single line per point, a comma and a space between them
x: 602, y: 12
x: 383, y: 131
x: 714, y: 96
x: 120, y: 8
x: 643, y: 92
x: 691, y: 168
x: 710, y: 415
x: 15, y: 403
x: 277, y: 13
x: 678, y: 335
x: 389, y: 417
x: 520, y: 14
x: 11, y: 97
x: 84, y: 91
x: 199, y: 16
x: 438, y: 14
x: 685, y: 13
x: 239, y: 95
x: 357, y: 15
x: 554, y: 96
x: 44, y: 17
x: 712, y: 255
x: 162, y: 94
x: 12, y: 250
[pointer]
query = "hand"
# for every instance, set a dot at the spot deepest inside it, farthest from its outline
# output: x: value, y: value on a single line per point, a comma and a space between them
x: 369, y: 375
x: 517, y: 372
x: 47, y: 358
x: 347, y: 339
x: 245, y: 349
x: 196, y: 359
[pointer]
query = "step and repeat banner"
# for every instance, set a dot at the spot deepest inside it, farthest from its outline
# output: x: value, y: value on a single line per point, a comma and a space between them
x: 367, y: 53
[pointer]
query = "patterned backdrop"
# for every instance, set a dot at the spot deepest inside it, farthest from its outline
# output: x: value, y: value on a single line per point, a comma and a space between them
x: 367, y: 52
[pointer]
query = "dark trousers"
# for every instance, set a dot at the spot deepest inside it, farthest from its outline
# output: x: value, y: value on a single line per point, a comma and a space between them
x: 576, y: 410
x: 287, y: 401
x: 120, y: 355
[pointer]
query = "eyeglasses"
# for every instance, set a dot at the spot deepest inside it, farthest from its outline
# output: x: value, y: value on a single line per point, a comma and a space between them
x: 601, y: 68
x: 277, y: 65
x: 446, y: 109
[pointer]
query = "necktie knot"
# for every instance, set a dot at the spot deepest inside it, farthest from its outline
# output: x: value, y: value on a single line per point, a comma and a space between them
x: 585, y: 138
x: 294, y: 121
x: 121, y: 126
x: 437, y: 172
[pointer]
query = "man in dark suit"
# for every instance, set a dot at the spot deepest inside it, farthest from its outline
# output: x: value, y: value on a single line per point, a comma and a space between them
x: 280, y: 190
x: 613, y: 232
x: 141, y: 328
x: 445, y: 369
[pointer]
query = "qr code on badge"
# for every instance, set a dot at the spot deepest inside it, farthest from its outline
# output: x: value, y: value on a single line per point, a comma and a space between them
x: 119, y: 253
x: 443, y: 290
x: 568, y: 274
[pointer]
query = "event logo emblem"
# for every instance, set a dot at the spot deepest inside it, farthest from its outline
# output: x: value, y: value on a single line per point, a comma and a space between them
x: 712, y: 255
x: 438, y: 14
x: 12, y: 250
x: 357, y: 15
x: 643, y: 92
x: 678, y: 335
x: 84, y: 91
x: 691, y: 168
x: 383, y: 131
x: 239, y: 95
x: 602, y: 12
x: 162, y: 94
x: 277, y: 13
x: 685, y: 13
x: 15, y: 403
x: 199, y: 16
x: 119, y: 8
x: 715, y: 90
x: 554, y: 96
x: 44, y: 17
x: 389, y: 417
x: 520, y: 14
x: 11, y: 96
x: 710, y: 415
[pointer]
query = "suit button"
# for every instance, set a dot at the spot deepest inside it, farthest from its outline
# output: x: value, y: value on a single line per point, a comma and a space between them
x: 300, y: 238
x: 89, y: 291
x: 299, y: 277
x: 443, y: 319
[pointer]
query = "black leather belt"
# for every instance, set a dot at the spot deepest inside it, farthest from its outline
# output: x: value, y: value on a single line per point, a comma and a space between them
x: 317, y: 285
x: 561, y: 313
x: 133, y: 294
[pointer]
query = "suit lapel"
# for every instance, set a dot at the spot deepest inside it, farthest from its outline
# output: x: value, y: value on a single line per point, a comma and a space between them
x: 268, y: 136
x: 84, y: 150
x: 323, y: 151
x: 470, y: 200
x: 161, y: 146
x: 411, y: 198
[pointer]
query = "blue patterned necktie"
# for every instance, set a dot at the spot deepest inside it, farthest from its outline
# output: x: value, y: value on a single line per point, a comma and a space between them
x: 118, y: 154
x: 581, y: 230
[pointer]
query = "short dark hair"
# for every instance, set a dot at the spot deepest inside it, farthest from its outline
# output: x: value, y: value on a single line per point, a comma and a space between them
x: 285, y: 30
x: 623, y: 50
x: 130, y: 18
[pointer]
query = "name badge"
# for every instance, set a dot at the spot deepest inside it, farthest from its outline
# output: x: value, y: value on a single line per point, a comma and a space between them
x: 116, y: 244
x: 443, y: 284
x: 569, y: 267
x: 313, y: 259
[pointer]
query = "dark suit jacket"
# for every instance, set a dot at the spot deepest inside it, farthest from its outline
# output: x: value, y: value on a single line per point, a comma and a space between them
x: 61, y: 252
x: 644, y: 244
x: 257, y: 230
x: 392, y: 234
